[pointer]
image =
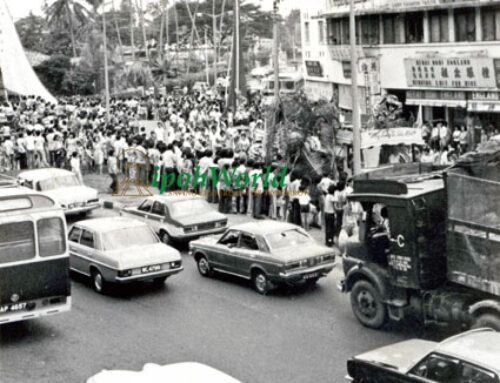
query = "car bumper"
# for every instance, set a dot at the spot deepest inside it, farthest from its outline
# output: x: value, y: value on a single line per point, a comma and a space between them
x: 81, y: 209
x: 197, y: 234
x: 302, y: 275
x: 149, y: 276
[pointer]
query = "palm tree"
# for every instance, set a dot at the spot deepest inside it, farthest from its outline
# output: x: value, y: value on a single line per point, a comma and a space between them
x: 69, y: 13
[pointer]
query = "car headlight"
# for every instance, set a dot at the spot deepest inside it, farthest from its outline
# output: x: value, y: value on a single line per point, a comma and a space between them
x: 125, y: 273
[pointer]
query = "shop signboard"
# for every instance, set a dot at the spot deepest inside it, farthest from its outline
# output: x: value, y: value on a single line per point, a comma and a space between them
x: 485, y: 96
x: 451, y: 72
x: 392, y: 137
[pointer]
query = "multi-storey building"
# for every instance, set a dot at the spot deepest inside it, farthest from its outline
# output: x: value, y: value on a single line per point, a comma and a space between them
x: 443, y: 55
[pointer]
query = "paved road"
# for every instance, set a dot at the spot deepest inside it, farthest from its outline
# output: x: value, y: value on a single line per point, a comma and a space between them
x: 299, y: 335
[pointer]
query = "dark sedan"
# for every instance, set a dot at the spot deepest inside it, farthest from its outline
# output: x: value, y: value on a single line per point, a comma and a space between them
x: 268, y: 253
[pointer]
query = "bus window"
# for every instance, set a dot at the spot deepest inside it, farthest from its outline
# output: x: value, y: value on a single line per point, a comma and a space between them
x: 17, y: 241
x: 51, y: 239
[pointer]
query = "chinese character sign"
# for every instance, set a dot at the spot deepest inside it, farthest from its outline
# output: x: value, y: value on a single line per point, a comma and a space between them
x: 474, y: 72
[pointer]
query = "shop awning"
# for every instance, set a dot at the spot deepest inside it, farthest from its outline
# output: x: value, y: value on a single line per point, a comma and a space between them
x: 440, y: 103
x: 484, y: 106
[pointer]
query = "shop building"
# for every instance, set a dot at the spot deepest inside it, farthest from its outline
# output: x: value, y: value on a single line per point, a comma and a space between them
x: 440, y: 55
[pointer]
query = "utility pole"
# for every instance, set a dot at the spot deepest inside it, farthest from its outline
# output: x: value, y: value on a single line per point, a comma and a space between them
x: 214, y: 28
x: 162, y: 23
x: 276, y: 51
x: 132, y: 43
x: 237, y: 48
x: 206, y: 57
x: 167, y: 30
x: 356, y: 119
x: 106, y: 75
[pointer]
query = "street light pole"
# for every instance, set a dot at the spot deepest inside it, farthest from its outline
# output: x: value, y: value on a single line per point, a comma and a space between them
x: 356, y: 120
x: 214, y: 27
x: 276, y: 49
x: 237, y: 48
x: 105, y: 46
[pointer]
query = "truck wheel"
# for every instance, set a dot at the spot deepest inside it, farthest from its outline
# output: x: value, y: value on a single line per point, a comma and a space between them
x: 487, y: 320
x: 367, y: 305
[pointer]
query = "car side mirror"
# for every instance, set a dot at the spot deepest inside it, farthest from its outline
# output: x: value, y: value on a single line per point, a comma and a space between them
x: 230, y: 245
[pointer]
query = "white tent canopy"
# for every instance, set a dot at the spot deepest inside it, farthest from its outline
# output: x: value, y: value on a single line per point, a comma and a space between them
x: 17, y: 75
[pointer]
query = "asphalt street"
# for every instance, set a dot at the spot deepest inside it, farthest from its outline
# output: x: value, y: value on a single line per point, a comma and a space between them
x: 293, y: 335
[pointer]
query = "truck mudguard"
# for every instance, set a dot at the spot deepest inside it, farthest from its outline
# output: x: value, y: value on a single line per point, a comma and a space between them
x: 487, y: 304
x: 374, y: 274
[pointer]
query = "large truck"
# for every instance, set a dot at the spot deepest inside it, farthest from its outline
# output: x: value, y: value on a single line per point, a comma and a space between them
x: 428, y: 244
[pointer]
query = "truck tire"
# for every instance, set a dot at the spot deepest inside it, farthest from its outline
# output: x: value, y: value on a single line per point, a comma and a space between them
x: 367, y: 305
x: 487, y: 320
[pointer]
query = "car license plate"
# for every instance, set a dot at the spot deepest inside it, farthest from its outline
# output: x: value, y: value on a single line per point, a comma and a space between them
x: 150, y: 269
x: 311, y: 276
x: 13, y: 307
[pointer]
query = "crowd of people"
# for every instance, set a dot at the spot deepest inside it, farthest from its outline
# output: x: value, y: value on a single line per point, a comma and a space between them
x: 190, y: 130
x: 444, y: 144
x: 186, y: 131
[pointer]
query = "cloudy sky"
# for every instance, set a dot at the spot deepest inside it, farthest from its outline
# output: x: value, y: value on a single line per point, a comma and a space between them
x: 21, y: 8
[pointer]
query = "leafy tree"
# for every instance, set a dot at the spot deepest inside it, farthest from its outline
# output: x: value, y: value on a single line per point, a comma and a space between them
x: 32, y: 32
x: 52, y: 72
x: 78, y: 81
x: 70, y: 14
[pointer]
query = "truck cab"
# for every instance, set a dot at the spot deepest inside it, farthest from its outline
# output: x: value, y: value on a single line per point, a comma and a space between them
x: 400, y: 247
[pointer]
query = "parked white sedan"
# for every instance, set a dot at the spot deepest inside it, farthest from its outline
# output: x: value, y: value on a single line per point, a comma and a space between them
x: 120, y: 250
x: 63, y: 187
x: 188, y: 372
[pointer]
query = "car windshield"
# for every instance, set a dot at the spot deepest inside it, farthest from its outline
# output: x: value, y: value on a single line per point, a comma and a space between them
x: 188, y: 207
x: 58, y: 182
x: 128, y: 237
x: 287, y: 238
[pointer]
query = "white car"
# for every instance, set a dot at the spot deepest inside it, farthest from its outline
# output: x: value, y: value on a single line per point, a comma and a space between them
x: 470, y: 357
x: 120, y: 250
x: 178, y: 218
x: 63, y: 187
x: 188, y: 372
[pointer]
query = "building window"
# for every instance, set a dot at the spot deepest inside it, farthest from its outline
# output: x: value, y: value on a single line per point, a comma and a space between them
x: 465, y: 24
x: 370, y: 34
x: 438, y: 25
x: 333, y: 30
x: 338, y: 31
x: 490, y: 19
x: 345, y: 31
x: 414, y: 27
x: 346, y: 68
x: 321, y: 32
x: 307, y: 32
x: 389, y: 23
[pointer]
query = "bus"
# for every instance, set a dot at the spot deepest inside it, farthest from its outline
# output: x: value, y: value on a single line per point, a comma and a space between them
x: 290, y: 83
x: 34, y: 256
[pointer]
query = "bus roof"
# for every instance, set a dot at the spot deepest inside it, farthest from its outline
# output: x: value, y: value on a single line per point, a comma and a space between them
x: 16, y: 200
